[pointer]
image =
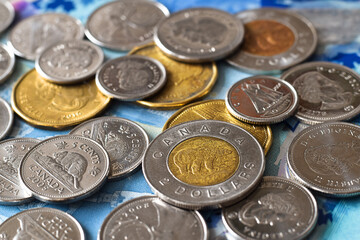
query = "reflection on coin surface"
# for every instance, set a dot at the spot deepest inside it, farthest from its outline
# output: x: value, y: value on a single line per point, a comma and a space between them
x: 185, y: 82
x: 327, y: 91
x: 45, y: 104
x: 124, y: 140
x: 274, y: 40
x: 148, y: 217
x: 6, y: 118
x: 122, y: 25
x: 7, y: 14
x: 184, y: 165
x: 199, y: 35
x: 277, y: 209
x: 65, y: 168
x: 41, y: 224
x: 7, y: 62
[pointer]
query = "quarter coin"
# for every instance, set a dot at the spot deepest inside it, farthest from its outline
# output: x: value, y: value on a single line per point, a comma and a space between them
x: 6, y: 118
x: 7, y: 62
x: 7, y: 15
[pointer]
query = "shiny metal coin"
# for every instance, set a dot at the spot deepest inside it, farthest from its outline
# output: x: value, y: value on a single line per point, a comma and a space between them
x: 131, y: 78
x: 204, y: 163
x: 277, y: 209
x: 122, y: 25
x: 64, y: 168
x: 69, y: 62
x: 274, y: 40
x: 6, y: 118
x: 199, y: 35
x: 32, y: 35
x: 148, y: 217
x: 7, y: 15
x: 327, y: 91
x: 124, y: 140
x: 42, y: 223
x: 7, y: 62
x: 261, y: 100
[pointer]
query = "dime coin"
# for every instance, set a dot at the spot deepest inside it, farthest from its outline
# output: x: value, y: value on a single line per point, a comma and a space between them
x: 131, y: 77
x: 262, y: 100
x: 6, y: 118
x: 277, y: 209
x: 7, y: 62
x: 148, y: 217
x: 216, y: 110
x: 7, y: 15
x: 42, y: 223
x: 122, y: 25
x: 199, y: 35
x: 274, y: 40
x: 64, y: 168
x: 185, y: 82
x: 30, y: 36
x: 204, y: 163
x: 45, y: 104
x: 124, y: 140
x: 69, y: 62
x: 327, y: 91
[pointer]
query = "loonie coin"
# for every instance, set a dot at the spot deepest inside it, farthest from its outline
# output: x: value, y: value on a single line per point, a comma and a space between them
x: 277, y: 209
x: 274, y: 40
x: 42, y: 223
x: 64, y: 168
x: 45, y: 104
x: 204, y: 163
x: 124, y: 140
x: 122, y: 25
x: 7, y: 15
x: 216, y: 110
x: 131, y: 77
x: 185, y: 82
x: 69, y: 61
x: 148, y: 217
x: 30, y: 36
x: 7, y: 62
x: 199, y: 35
x: 262, y: 100
x: 327, y: 91
x: 6, y: 118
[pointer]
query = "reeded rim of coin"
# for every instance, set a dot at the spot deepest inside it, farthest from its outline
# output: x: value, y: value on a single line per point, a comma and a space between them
x: 10, y: 68
x: 11, y: 10
x: 11, y: 118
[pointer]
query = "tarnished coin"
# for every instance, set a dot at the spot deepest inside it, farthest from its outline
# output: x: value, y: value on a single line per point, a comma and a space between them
x: 199, y: 35
x: 122, y: 25
x: 277, y: 209
x: 7, y: 62
x: 6, y: 118
x: 327, y: 91
x: 131, y: 77
x: 64, y: 168
x: 69, y: 61
x: 42, y: 224
x: 204, y: 163
x: 7, y: 15
x: 148, y: 217
x: 30, y: 36
x: 262, y: 100
x: 274, y: 40
x: 124, y: 140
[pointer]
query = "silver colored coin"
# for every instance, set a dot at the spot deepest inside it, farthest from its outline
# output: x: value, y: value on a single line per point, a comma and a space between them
x: 131, y: 78
x: 277, y: 209
x: 7, y: 62
x: 292, y: 39
x: 148, y: 217
x: 32, y: 35
x: 64, y: 168
x: 124, y: 140
x: 199, y: 35
x: 7, y: 15
x: 6, y: 118
x: 69, y: 62
x: 203, y: 158
x: 327, y: 91
x: 122, y: 25
x: 42, y: 224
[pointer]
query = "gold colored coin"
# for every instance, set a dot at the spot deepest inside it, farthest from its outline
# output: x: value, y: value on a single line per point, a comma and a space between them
x: 185, y: 82
x: 203, y: 161
x: 216, y: 110
x: 45, y: 104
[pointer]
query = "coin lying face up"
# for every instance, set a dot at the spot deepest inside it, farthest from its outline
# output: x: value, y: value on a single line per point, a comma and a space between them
x: 7, y: 62
x: 7, y: 15
x: 6, y: 118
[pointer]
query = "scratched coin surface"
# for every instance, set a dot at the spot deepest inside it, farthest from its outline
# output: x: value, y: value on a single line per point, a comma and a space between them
x: 327, y: 91
x: 7, y: 15
x: 65, y: 168
x: 205, y: 163
x: 148, y: 217
x: 7, y: 62
x: 6, y: 118
x: 124, y: 140
x: 274, y: 40
x: 42, y: 224
x: 277, y: 209
x: 122, y: 25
